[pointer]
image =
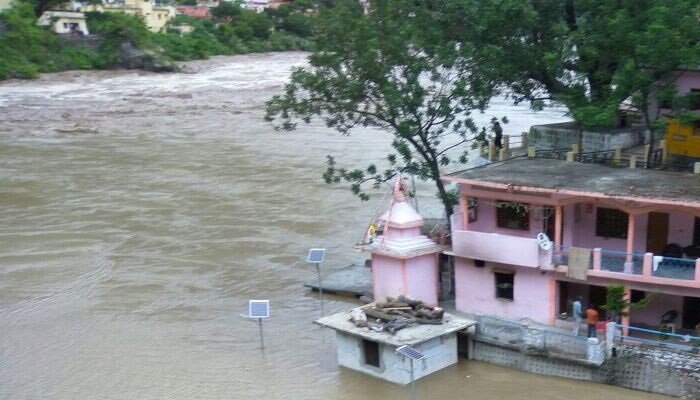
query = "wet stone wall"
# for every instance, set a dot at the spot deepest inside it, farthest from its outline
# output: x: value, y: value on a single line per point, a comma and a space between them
x: 654, y: 369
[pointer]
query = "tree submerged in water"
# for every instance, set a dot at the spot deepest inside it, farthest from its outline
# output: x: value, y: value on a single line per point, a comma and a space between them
x: 393, y: 69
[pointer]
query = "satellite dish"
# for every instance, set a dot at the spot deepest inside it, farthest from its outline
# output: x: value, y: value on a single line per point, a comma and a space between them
x: 544, y: 242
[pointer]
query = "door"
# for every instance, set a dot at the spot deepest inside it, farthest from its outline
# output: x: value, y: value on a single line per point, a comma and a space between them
x: 598, y: 296
x: 691, y: 312
x: 657, y: 232
x: 563, y: 297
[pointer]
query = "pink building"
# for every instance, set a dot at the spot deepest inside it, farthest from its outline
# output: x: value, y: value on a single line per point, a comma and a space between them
x: 404, y: 262
x: 635, y: 227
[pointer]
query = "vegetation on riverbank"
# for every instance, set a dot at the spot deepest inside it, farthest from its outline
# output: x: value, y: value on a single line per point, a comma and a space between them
x: 126, y: 42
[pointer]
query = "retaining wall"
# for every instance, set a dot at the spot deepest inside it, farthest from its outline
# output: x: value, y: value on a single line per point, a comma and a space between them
x: 563, y: 135
x: 650, y: 369
x: 653, y: 369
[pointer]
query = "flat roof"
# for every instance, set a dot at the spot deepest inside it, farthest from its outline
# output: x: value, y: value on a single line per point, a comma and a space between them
x: 579, y: 179
x: 411, y: 335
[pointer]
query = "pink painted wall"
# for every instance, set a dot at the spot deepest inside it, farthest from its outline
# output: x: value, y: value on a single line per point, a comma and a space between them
x: 686, y: 81
x: 651, y: 314
x: 582, y: 233
x: 486, y: 222
x: 421, y: 277
x: 387, y: 275
x: 395, y: 233
x: 491, y: 246
x: 476, y: 292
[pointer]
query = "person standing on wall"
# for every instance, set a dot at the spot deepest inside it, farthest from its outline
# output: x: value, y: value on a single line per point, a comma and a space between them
x: 578, y: 314
x: 592, y: 320
x: 498, y: 131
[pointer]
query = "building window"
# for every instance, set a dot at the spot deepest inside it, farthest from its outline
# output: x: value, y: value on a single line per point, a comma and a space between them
x: 611, y: 223
x: 504, y: 285
x: 371, y: 352
x: 513, y: 215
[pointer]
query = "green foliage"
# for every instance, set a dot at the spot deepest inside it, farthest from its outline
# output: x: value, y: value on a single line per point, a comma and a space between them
x: 590, y: 55
x: 392, y: 70
x: 28, y: 49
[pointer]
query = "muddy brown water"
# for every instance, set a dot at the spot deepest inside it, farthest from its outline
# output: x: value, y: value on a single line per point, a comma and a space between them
x: 139, y: 214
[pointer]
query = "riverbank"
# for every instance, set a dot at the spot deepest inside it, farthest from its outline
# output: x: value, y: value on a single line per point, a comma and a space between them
x: 121, y: 41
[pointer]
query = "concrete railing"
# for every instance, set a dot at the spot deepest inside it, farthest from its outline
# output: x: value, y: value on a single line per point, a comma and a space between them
x: 539, y: 339
x: 498, y: 248
x: 647, y: 265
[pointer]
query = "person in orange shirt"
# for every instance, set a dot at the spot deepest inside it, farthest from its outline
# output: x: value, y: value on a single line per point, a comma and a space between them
x: 592, y: 320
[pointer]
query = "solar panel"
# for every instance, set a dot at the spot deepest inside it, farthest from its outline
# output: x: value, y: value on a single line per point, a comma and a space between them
x: 258, y: 308
x: 316, y: 255
x: 410, y: 352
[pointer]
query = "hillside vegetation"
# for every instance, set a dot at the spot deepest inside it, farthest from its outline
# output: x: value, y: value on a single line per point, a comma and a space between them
x: 125, y: 41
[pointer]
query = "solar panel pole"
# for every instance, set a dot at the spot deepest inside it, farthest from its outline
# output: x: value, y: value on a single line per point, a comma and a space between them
x: 320, y: 287
x: 413, y: 383
x: 316, y: 257
x: 262, y: 342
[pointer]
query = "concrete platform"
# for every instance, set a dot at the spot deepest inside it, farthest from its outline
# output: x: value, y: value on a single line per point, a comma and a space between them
x: 352, y: 281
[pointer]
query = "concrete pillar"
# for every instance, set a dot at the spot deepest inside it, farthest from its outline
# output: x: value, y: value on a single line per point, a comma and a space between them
x: 574, y: 148
x: 618, y: 154
x: 609, y: 338
x: 506, y: 143
x: 696, y: 168
x: 502, y: 154
x: 557, y: 224
x: 552, y: 301
x: 664, y: 151
x: 570, y: 156
x: 523, y: 140
x: 531, y: 152
x: 481, y: 148
x: 633, y: 161
x: 597, y: 258
x: 647, y: 265
x: 464, y: 205
x: 592, y: 351
x: 647, y: 153
x: 492, y: 151
x: 626, y: 312
x: 631, y: 222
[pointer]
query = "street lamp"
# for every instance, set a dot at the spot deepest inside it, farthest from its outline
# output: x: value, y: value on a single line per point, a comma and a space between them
x: 316, y: 257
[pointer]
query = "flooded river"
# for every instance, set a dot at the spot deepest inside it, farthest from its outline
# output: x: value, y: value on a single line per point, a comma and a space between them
x: 139, y: 214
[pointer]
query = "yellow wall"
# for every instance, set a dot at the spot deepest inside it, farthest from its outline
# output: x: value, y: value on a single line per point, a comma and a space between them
x: 683, y: 140
x: 156, y: 17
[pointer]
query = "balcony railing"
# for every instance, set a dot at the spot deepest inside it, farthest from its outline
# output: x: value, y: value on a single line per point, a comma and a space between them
x: 674, y: 268
x: 618, y: 261
x: 522, y: 251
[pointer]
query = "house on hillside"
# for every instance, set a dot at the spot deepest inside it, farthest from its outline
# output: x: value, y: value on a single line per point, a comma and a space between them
x: 636, y: 227
x: 683, y: 139
x: 197, y: 12
x: 5, y: 4
x: 155, y: 15
x: 64, y: 22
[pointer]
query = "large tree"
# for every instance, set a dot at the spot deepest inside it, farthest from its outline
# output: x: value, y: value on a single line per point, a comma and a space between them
x: 392, y: 69
x: 590, y: 55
